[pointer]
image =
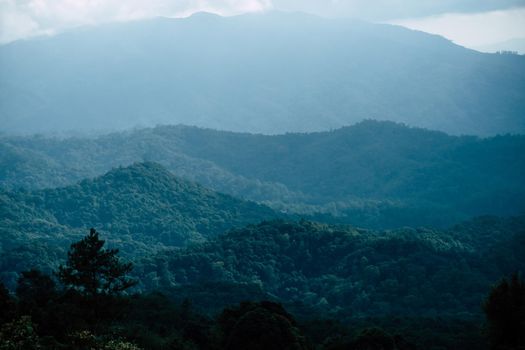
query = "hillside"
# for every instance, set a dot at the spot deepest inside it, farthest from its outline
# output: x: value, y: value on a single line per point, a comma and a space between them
x: 266, y: 73
x: 373, y: 174
x: 142, y: 208
x: 145, y: 200
x: 344, y: 271
x: 346, y: 287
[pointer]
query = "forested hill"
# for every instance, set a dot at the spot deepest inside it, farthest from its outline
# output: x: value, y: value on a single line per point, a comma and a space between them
x: 373, y: 174
x: 268, y: 73
x: 348, y: 271
x: 140, y: 203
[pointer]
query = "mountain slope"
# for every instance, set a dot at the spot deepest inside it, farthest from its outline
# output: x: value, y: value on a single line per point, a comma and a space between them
x: 259, y: 73
x: 141, y: 208
x: 143, y: 200
x: 349, y: 271
x: 373, y: 174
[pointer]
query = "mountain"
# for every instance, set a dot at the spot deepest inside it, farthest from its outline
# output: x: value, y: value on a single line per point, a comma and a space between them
x: 141, y: 208
x: 350, y: 272
x: 373, y: 174
x: 144, y: 200
x: 264, y: 73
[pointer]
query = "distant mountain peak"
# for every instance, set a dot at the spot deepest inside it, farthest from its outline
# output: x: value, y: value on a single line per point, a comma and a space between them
x: 204, y: 15
x: 137, y: 175
x: 268, y: 73
x: 146, y: 200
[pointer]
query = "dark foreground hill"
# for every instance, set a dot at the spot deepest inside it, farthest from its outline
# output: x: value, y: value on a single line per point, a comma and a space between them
x: 373, y: 174
x: 271, y: 73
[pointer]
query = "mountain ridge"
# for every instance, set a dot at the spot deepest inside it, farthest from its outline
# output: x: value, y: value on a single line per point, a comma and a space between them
x: 347, y: 271
x: 373, y: 167
x: 144, y: 199
x: 286, y: 72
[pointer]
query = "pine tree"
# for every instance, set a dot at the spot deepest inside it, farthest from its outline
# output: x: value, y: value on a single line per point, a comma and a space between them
x: 93, y: 270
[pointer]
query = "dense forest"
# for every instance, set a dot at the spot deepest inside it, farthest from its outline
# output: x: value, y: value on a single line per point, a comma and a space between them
x: 265, y: 181
x: 358, y: 236
x: 342, y: 270
x: 374, y: 174
x: 143, y: 207
x: 208, y: 254
x: 148, y: 212
x: 383, y: 304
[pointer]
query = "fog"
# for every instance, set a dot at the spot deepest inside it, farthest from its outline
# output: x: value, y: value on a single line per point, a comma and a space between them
x: 24, y: 19
x: 262, y: 174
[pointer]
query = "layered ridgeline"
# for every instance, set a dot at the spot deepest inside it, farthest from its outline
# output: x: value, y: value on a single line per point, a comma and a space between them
x: 336, y: 270
x: 349, y: 272
x: 141, y: 209
x: 373, y: 174
x: 266, y: 73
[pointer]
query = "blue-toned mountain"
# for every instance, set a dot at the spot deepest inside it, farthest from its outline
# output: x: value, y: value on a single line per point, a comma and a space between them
x: 269, y: 73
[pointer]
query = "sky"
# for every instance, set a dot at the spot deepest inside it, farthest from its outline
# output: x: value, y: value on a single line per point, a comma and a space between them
x: 475, y: 30
x: 471, y: 23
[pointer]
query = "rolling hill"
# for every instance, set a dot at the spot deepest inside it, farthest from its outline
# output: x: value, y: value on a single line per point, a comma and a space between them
x: 346, y: 271
x: 373, y: 174
x: 141, y: 208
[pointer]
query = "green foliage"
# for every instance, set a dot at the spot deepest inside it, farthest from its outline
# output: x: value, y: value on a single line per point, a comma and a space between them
x: 341, y: 270
x: 505, y: 311
x: 259, y: 326
x: 19, y: 335
x: 142, y: 208
x: 85, y: 340
x: 422, y: 286
x: 373, y: 174
x: 143, y: 200
x: 93, y: 270
x: 67, y: 319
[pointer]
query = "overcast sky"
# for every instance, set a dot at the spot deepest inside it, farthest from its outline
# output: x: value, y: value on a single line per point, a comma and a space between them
x: 467, y: 22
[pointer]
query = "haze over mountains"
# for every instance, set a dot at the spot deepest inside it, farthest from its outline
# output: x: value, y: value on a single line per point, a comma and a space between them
x: 367, y: 178
x: 143, y: 200
x: 374, y: 174
x: 142, y: 207
x: 268, y: 73
x: 185, y: 239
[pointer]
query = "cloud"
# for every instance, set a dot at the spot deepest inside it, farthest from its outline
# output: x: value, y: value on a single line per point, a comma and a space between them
x: 25, y: 18
x: 381, y: 10
x: 473, y: 30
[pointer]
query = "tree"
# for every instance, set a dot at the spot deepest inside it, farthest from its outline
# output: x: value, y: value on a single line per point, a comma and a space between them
x: 92, y: 270
x: 35, y: 288
x: 260, y: 326
x: 505, y: 311
x: 19, y: 335
x: 7, y: 305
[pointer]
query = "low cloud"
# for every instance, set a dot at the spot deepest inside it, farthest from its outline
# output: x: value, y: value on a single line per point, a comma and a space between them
x: 473, y: 30
x: 382, y: 10
x: 25, y: 18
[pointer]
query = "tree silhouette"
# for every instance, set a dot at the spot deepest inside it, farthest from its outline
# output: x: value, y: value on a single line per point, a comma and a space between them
x: 505, y: 311
x: 35, y: 288
x: 7, y: 305
x: 260, y: 326
x: 92, y: 270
